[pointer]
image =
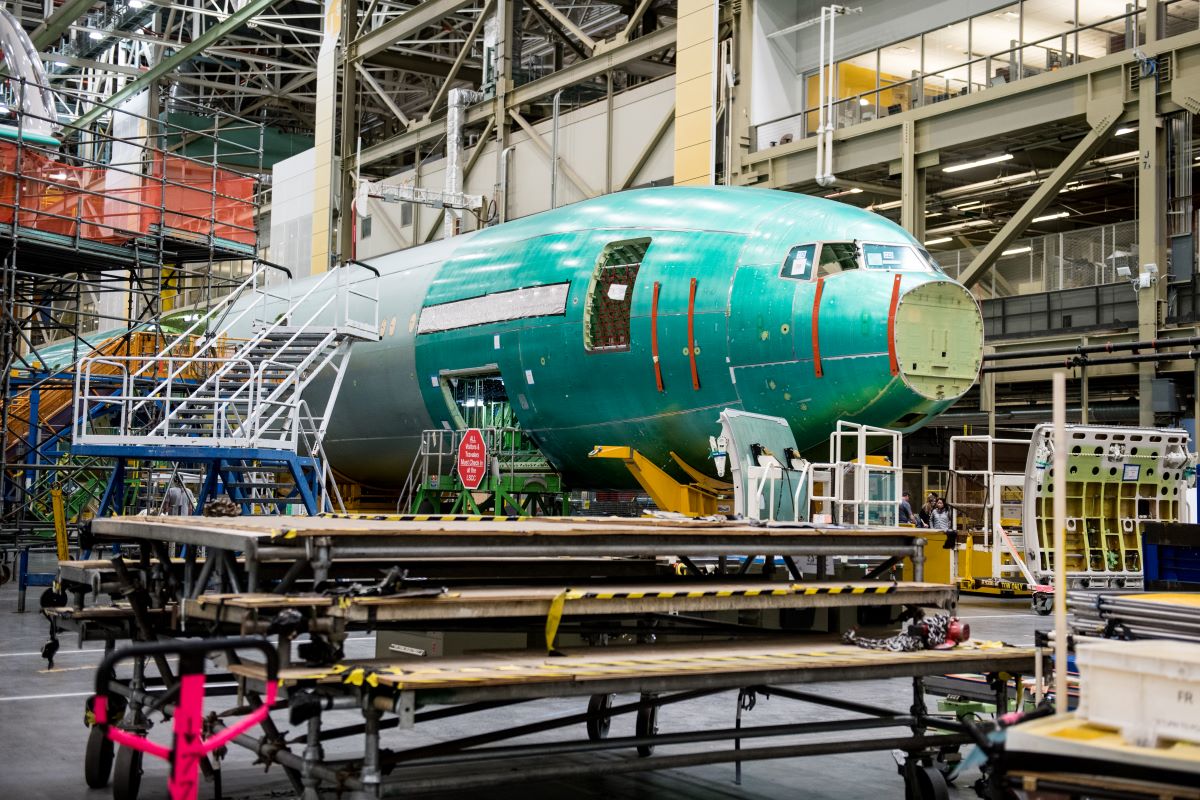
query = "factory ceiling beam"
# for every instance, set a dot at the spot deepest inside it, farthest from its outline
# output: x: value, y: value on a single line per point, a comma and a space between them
x: 554, y: 29
x: 58, y: 23
x: 566, y: 22
x: 634, y: 19
x: 231, y: 23
x: 425, y: 66
x: 403, y: 26
x: 570, y: 75
x: 1103, y: 114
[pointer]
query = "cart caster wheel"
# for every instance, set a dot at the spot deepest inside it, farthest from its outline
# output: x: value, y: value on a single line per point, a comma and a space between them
x: 1043, y: 604
x: 647, y: 725
x: 127, y: 774
x: 52, y: 599
x: 98, y: 759
x: 599, y: 721
x: 926, y: 783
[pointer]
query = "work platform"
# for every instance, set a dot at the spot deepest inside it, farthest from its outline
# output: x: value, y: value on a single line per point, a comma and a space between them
x: 317, y: 542
x: 416, y: 690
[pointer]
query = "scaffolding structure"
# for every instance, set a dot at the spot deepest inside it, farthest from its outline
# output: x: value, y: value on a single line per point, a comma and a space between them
x: 104, y: 229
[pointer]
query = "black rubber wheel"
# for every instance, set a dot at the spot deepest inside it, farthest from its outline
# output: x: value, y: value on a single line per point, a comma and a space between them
x: 1043, y: 604
x: 928, y: 783
x: 127, y: 774
x: 52, y: 599
x: 98, y: 759
x: 647, y: 725
x: 598, y: 721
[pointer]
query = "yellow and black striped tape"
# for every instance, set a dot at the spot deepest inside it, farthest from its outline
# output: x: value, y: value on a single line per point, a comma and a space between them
x: 426, y: 517
x: 807, y: 591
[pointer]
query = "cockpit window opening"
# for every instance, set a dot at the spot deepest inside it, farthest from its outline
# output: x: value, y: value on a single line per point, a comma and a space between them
x: 610, y: 295
x: 799, y: 262
x: 893, y: 256
x: 837, y: 257
x: 930, y: 260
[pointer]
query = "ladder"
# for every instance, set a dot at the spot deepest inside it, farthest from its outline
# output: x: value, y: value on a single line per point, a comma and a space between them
x: 235, y: 399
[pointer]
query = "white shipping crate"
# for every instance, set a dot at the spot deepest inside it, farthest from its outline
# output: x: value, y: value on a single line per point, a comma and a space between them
x: 1149, y: 690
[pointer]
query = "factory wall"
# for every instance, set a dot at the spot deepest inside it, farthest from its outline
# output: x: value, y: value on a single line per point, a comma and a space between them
x: 582, y: 142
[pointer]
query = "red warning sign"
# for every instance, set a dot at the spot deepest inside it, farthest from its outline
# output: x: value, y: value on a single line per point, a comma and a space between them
x: 472, y: 459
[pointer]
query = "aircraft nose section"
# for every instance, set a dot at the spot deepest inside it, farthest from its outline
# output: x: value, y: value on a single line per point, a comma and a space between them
x: 938, y: 339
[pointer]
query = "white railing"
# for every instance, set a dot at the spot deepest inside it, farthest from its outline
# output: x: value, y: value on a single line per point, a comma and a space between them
x: 250, y: 408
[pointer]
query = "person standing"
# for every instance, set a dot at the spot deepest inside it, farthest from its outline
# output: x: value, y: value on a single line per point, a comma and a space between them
x: 923, y: 520
x: 906, y: 511
x: 940, y: 520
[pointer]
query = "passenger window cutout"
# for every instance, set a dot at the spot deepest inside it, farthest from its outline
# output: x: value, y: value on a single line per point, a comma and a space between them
x: 799, y: 262
x: 610, y: 296
x: 837, y: 257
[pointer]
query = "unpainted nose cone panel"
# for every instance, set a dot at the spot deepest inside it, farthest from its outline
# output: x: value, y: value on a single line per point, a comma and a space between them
x: 939, y: 340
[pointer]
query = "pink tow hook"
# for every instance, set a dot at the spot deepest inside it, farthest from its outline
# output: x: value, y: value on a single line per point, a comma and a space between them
x: 187, y: 747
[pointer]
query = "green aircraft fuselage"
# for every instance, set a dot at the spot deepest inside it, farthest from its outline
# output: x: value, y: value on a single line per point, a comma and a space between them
x: 573, y: 308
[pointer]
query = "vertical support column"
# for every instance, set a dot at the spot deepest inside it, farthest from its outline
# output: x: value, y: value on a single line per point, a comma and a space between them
x: 695, y: 92
x: 371, y: 776
x: 323, y: 178
x: 912, y: 183
x: 506, y: 35
x: 314, y: 754
x: 739, y: 125
x: 1151, y: 207
x: 349, y: 132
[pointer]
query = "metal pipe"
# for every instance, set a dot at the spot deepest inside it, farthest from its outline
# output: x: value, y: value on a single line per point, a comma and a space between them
x: 550, y: 769
x: 1106, y: 347
x: 554, y: 152
x: 502, y: 183
x: 1059, y: 477
x: 664, y: 739
x: 449, y: 549
x: 1071, y: 363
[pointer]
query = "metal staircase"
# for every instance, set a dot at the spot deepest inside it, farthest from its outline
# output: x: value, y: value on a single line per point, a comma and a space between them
x: 235, y: 400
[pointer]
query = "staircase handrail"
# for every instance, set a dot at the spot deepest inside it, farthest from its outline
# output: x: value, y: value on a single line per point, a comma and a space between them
x: 84, y: 394
x: 125, y: 398
x: 262, y: 334
x: 346, y: 288
x: 210, y: 339
x: 228, y: 300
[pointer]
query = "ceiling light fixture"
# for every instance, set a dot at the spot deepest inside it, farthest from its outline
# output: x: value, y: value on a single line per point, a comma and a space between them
x: 1123, y: 131
x: 980, y: 163
x: 939, y: 240
x: 136, y: 3
x: 1048, y: 217
x: 96, y: 35
x: 844, y: 192
x: 1118, y: 157
x: 1016, y: 251
x: 61, y: 64
x: 862, y: 101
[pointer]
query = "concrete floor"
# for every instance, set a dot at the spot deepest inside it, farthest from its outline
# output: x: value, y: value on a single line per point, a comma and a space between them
x: 42, y: 736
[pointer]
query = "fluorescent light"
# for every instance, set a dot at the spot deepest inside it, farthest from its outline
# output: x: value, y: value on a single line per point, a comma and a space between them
x: 97, y: 35
x: 1016, y: 251
x: 1123, y: 131
x: 933, y: 214
x: 136, y: 3
x: 1118, y: 157
x: 969, y: 205
x: 939, y: 240
x: 981, y: 162
x: 844, y: 192
x: 862, y: 101
x: 61, y: 64
x: 1048, y: 217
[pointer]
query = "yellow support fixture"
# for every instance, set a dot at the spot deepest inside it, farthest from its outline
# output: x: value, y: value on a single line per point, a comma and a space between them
x: 60, y: 523
x: 667, y: 493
